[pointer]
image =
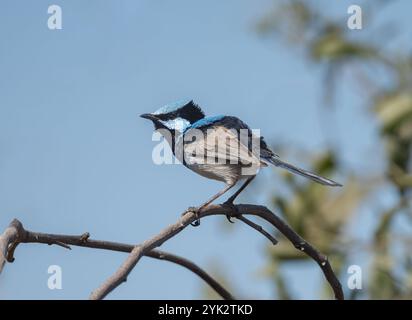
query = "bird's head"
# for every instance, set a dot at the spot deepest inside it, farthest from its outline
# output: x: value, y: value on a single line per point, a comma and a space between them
x: 175, y: 116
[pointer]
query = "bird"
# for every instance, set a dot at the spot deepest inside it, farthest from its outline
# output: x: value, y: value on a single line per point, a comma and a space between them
x: 238, y: 159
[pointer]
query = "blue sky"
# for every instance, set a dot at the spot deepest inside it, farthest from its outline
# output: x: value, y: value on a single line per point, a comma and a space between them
x: 75, y: 156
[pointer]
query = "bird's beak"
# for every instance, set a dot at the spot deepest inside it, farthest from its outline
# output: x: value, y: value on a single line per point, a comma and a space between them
x: 148, y: 116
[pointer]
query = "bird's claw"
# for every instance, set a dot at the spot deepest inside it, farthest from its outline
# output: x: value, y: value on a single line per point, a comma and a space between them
x: 233, y: 208
x: 195, y: 210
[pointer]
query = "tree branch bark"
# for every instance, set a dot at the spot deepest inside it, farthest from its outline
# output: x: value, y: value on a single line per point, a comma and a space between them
x: 235, y: 211
x: 16, y: 234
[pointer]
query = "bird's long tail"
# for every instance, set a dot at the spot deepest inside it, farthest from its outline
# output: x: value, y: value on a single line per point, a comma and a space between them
x: 279, y: 163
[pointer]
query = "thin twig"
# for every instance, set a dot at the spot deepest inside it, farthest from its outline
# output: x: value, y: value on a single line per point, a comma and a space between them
x: 298, y: 242
x: 258, y: 228
x: 162, y: 255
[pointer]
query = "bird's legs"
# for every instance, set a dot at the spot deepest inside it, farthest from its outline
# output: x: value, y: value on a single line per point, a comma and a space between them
x: 229, y: 202
x: 204, y: 205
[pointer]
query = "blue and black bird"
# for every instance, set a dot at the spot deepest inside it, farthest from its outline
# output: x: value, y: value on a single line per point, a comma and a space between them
x: 237, y: 161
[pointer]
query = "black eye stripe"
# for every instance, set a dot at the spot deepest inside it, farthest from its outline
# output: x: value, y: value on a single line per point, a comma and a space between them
x: 168, y: 116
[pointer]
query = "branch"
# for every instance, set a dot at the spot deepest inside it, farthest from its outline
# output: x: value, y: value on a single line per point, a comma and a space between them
x: 16, y: 234
x: 8, y: 237
x: 258, y: 228
x: 236, y: 211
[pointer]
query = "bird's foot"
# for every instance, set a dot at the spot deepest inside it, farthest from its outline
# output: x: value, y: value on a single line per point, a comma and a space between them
x: 233, y: 208
x: 195, y: 210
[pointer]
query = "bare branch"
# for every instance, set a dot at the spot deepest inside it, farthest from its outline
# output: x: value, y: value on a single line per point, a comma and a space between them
x: 161, y: 255
x: 8, y: 237
x: 16, y: 234
x: 138, y: 251
x: 258, y: 228
x: 298, y: 242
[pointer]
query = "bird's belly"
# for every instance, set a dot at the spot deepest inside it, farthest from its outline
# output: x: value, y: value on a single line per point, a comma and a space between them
x: 220, y: 172
x: 228, y: 173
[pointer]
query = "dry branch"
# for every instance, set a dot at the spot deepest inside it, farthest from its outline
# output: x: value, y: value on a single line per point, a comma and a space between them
x: 235, y: 211
x: 16, y: 234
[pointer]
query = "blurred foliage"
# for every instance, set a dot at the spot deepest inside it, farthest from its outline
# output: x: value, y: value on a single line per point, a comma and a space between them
x: 324, y: 216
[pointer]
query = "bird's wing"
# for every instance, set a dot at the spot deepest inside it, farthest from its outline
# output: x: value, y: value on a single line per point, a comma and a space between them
x: 218, y: 145
x: 255, y: 143
x: 251, y: 147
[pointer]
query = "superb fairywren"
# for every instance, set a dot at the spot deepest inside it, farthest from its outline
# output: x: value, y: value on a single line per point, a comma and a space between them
x: 213, y: 147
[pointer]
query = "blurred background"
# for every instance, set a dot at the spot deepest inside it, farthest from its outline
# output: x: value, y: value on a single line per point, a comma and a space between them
x: 75, y: 156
